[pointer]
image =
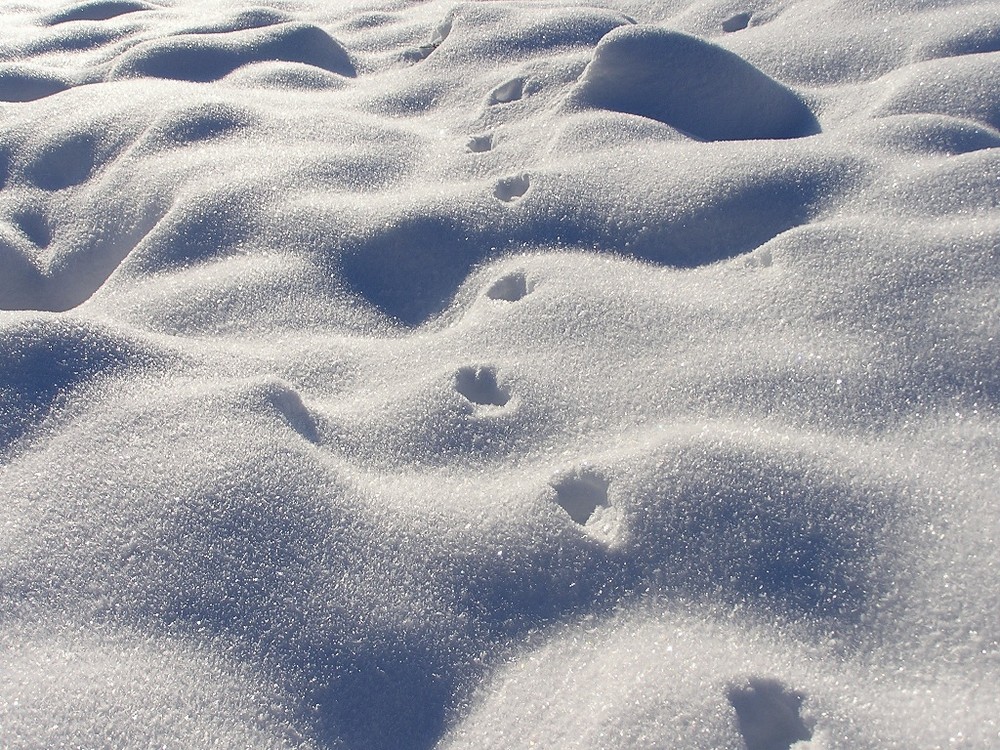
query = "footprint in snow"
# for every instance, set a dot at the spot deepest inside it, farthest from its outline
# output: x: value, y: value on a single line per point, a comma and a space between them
x: 510, y: 288
x: 479, y: 386
x: 480, y: 144
x: 510, y: 189
x: 767, y: 714
x: 583, y: 493
x: 508, y: 92
x: 736, y: 23
x: 437, y: 38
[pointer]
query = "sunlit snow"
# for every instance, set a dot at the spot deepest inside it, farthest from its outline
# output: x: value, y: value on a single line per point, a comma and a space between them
x: 407, y: 375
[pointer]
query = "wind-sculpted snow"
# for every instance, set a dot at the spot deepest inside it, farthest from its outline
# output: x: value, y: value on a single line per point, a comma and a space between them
x: 499, y: 374
x: 698, y: 88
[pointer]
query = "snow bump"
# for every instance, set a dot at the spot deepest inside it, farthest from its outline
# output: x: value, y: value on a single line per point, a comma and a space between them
x: 692, y: 85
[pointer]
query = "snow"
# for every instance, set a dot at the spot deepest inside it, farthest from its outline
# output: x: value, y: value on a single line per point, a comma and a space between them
x: 392, y: 375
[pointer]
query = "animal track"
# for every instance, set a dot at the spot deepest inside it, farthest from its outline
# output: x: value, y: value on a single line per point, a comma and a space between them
x: 509, y: 189
x: 479, y: 385
x: 508, y: 92
x: 580, y: 493
x: 736, y: 23
x: 479, y: 144
x: 768, y: 714
x: 510, y: 288
x: 441, y: 33
x: 288, y: 404
x: 424, y: 51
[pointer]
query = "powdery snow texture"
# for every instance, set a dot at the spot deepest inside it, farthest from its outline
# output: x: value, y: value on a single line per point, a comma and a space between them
x: 496, y: 374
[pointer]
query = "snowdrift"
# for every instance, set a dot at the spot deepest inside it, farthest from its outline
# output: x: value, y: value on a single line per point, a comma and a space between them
x: 498, y: 374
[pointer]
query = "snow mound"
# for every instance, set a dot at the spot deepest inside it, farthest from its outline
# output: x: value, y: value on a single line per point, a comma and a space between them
x: 208, y: 57
x: 697, y: 87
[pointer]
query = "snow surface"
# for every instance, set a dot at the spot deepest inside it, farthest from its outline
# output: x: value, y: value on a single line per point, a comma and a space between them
x: 397, y: 375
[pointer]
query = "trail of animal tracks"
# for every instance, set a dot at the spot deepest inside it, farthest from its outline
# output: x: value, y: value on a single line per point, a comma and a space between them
x: 404, y: 375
